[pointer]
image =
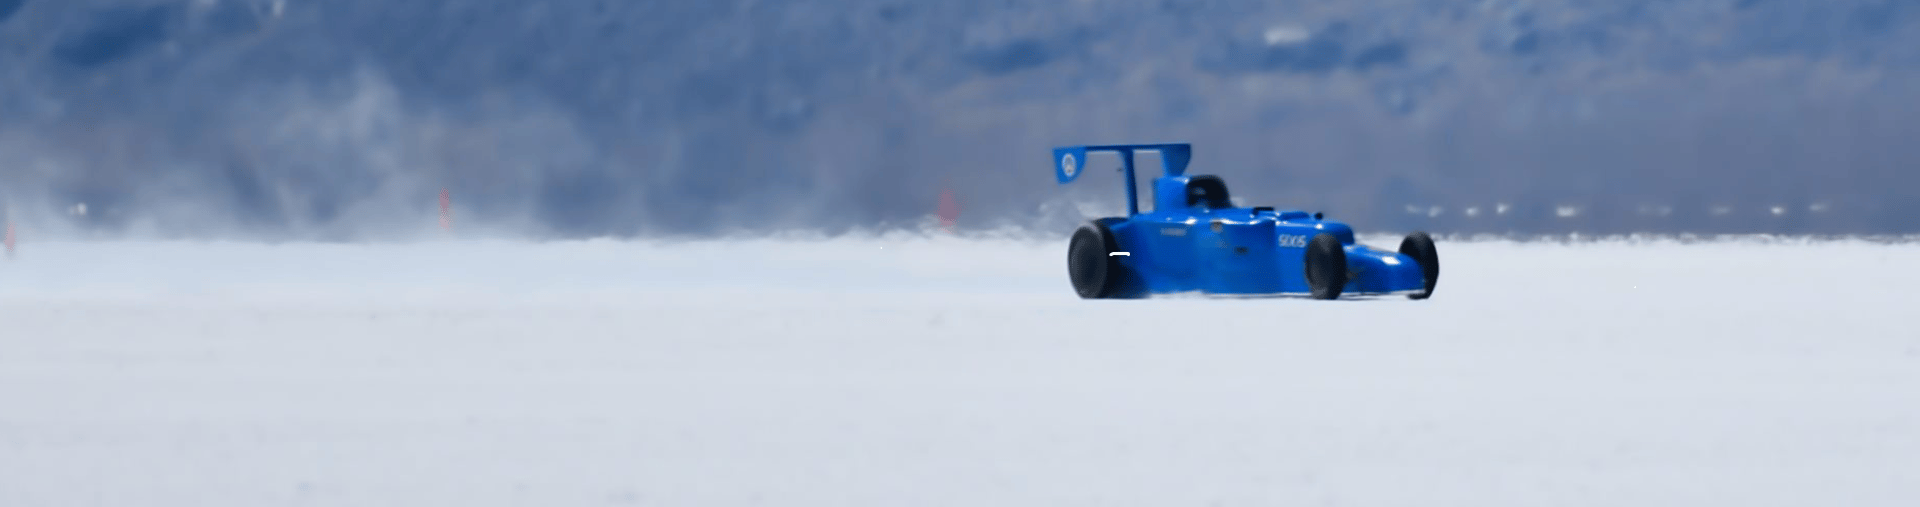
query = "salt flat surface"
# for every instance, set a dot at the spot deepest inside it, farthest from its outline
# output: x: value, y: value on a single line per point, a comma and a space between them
x: 929, y: 372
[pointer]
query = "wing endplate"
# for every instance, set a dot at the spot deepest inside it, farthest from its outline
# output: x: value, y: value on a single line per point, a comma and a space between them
x: 1068, y: 163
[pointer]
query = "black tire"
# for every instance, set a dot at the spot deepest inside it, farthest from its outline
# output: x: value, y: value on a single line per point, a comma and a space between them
x: 1326, y: 266
x: 1419, y: 246
x: 1095, y: 272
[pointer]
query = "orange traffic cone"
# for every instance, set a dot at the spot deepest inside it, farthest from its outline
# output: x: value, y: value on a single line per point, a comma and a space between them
x: 949, y: 210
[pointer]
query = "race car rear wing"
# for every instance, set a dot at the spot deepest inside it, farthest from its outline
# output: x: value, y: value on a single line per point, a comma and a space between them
x: 1070, y: 161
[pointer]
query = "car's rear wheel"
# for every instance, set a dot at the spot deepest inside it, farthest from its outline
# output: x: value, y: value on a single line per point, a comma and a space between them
x: 1419, y: 246
x: 1326, y: 265
x: 1096, y: 273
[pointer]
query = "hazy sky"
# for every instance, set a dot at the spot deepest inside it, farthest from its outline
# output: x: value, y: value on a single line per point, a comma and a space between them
x: 344, y: 119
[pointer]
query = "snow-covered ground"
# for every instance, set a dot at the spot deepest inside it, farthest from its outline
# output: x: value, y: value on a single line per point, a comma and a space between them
x: 928, y: 372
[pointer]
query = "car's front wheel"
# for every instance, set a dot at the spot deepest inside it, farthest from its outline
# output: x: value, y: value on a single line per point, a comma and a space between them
x: 1326, y: 265
x: 1419, y: 246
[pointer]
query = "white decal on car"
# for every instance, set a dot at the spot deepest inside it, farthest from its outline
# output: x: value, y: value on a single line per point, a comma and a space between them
x: 1068, y: 165
x: 1293, y: 241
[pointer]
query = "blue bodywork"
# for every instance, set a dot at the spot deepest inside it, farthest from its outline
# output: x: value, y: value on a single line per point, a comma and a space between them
x: 1180, y: 247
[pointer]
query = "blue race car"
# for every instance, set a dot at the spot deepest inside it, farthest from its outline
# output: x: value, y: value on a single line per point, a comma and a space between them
x: 1195, y: 239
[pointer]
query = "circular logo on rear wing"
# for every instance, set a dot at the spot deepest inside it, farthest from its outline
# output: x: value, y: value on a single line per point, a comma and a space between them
x: 1068, y: 165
